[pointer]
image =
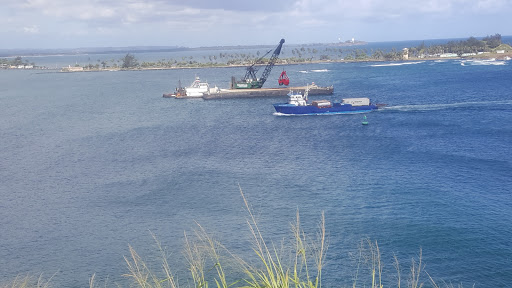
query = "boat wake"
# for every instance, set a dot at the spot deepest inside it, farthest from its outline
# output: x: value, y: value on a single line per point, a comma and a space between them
x: 431, y: 107
x: 313, y: 71
x: 283, y: 114
x: 295, y: 115
x: 323, y: 114
x: 396, y: 64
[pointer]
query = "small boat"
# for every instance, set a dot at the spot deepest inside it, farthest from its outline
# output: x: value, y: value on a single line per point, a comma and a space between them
x: 298, y: 105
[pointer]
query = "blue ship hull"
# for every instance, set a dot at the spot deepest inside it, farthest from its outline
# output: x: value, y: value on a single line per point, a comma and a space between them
x: 337, y: 108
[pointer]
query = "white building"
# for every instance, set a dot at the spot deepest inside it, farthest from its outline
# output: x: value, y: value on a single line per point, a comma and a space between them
x: 405, y: 55
x: 448, y: 55
x: 72, y: 69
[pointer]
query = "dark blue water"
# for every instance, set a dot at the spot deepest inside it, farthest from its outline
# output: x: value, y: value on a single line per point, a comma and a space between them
x: 92, y: 162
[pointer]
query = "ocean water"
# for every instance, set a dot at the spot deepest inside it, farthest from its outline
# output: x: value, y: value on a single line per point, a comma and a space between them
x: 91, y: 163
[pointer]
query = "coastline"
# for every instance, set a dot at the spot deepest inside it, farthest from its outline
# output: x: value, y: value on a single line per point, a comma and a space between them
x: 489, y: 56
x: 281, y: 62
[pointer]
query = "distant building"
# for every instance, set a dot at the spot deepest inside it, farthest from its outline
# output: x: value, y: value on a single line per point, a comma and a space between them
x: 500, y: 51
x: 405, y: 55
x: 448, y: 55
x: 72, y: 69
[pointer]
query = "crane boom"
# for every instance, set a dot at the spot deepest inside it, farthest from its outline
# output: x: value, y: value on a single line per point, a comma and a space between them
x: 271, y: 63
x: 250, y: 80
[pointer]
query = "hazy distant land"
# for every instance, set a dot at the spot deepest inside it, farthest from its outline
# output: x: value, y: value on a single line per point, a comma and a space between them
x: 233, y: 56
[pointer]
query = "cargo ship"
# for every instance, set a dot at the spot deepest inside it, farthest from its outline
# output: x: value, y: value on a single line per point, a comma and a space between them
x: 298, y: 105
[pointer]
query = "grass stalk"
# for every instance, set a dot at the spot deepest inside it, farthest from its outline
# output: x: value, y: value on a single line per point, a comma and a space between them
x: 275, y: 273
x: 416, y: 270
x: 196, y: 263
x: 396, y: 264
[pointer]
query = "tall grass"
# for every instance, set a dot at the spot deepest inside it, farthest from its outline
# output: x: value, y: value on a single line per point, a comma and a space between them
x: 298, y: 265
x: 207, y: 259
x: 143, y: 276
x: 29, y: 281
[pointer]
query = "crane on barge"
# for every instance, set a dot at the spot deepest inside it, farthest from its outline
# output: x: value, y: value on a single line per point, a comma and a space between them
x: 250, y: 81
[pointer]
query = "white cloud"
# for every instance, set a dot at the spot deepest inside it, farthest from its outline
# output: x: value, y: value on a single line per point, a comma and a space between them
x: 222, y: 22
x: 33, y: 29
x: 492, y: 5
x: 386, y: 9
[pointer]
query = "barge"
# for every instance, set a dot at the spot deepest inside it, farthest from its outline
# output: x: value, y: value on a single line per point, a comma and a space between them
x: 266, y: 92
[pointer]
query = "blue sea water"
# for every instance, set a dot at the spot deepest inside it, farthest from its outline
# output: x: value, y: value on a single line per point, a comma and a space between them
x: 93, y: 162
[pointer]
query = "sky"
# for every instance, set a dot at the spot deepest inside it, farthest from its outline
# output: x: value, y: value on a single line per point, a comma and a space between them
x: 48, y: 24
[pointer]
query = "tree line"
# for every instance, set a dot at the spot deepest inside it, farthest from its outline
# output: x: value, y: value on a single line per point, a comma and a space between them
x: 17, y: 61
x: 308, y: 54
x: 471, y: 45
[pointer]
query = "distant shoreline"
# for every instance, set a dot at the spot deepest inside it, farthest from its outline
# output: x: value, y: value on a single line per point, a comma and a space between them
x: 11, y: 53
x: 350, y: 51
x: 488, y: 56
x: 281, y: 62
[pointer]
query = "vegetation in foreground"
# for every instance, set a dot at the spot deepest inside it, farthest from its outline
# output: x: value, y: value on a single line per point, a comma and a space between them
x: 298, y: 266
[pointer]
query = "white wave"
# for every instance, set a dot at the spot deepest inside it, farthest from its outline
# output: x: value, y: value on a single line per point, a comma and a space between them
x: 313, y: 71
x: 483, y: 62
x: 432, y: 107
x: 489, y: 63
x: 396, y: 64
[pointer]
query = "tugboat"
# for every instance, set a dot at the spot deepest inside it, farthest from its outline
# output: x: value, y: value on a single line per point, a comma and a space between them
x: 298, y: 105
x: 179, y: 92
